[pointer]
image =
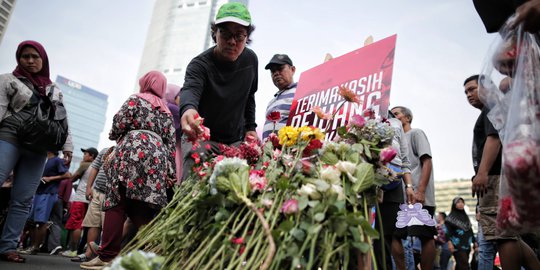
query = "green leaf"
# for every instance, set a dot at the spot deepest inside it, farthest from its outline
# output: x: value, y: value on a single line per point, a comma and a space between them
x: 362, y: 246
x: 355, y: 232
x: 368, y: 230
x: 315, y: 229
x: 365, y: 177
x: 222, y: 215
x: 292, y: 249
x: 305, y: 225
x: 353, y: 220
x: 302, y: 202
x: 340, y: 227
x: 367, y: 152
x: 329, y: 158
x: 283, y: 183
x: 298, y: 234
x: 342, y: 131
x: 340, y: 205
x: 286, y: 226
x: 313, y: 203
x: 358, y: 148
x: 319, y: 217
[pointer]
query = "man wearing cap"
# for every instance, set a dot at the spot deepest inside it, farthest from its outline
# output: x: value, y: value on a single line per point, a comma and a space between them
x: 79, y: 203
x: 220, y: 86
x: 282, y: 72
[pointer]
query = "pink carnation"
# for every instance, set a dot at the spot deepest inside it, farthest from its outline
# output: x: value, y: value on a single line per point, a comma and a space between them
x: 357, y: 121
x: 290, y: 207
x: 257, y: 180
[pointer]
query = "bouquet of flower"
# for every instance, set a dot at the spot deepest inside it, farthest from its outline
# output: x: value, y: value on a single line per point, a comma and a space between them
x: 294, y: 203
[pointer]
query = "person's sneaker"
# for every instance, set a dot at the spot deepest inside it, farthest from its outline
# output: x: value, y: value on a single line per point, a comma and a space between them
x: 56, y: 250
x: 29, y: 251
x: 94, y: 264
x: 80, y: 258
x: 69, y: 253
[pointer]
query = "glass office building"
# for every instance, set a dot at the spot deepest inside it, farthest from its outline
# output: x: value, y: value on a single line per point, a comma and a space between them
x: 86, y: 110
x: 179, y: 30
x: 6, y: 9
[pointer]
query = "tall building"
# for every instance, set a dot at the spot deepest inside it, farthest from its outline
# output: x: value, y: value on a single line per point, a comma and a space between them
x: 446, y: 191
x: 6, y: 8
x: 86, y: 110
x: 179, y: 30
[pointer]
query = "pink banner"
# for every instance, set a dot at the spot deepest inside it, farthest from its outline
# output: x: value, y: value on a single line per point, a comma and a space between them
x: 367, y: 71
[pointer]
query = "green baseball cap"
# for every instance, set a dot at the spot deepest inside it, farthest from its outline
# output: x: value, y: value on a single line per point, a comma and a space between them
x: 233, y: 12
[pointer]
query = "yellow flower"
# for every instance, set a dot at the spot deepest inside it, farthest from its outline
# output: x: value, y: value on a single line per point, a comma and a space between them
x: 308, y: 133
x: 288, y: 136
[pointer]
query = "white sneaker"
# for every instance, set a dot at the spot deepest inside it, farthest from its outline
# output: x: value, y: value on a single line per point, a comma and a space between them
x: 56, y: 250
x: 69, y: 253
x: 94, y: 264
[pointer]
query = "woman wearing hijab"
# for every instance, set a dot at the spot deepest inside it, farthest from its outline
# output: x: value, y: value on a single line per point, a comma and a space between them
x: 459, y: 233
x: 20, y: 92
x: 173, y: 100
x: 140, y: 168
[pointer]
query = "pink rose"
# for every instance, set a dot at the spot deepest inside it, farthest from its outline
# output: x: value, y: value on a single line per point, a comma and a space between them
x: 290, y: 206
x: 387, y: 154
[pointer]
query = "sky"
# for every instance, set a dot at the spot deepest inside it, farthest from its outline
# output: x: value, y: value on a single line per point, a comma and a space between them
x: 99, y: 43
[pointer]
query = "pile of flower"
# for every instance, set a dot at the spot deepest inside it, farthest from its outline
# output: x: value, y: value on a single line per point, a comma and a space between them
x: 295, y: 202
x: 137, y: 260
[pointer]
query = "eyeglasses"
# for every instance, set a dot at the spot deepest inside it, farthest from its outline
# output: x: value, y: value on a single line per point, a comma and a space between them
x: 226, y: 35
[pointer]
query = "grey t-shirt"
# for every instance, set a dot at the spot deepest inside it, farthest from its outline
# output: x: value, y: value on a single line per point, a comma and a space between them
x: 101, y: 178
x: 419, y: 146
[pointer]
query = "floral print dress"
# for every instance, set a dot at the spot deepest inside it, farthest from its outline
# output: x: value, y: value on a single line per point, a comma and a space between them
x: 144, y: 158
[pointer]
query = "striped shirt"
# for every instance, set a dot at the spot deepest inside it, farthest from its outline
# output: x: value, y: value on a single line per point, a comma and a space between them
x: 280, y: 103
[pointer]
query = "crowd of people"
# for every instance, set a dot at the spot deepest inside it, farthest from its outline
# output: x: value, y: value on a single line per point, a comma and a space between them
x: 123, y: 187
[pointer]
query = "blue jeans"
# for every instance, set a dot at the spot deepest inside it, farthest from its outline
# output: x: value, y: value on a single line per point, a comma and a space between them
x: 486, y: 252
x: 409, y: 255
x: 28, y: 168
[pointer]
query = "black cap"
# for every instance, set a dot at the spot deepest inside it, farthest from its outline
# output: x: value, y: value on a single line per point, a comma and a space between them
x: 279, y: 59
x: 93, y: 151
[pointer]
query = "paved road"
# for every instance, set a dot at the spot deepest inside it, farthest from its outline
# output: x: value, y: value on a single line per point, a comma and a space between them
x: 42, y: 261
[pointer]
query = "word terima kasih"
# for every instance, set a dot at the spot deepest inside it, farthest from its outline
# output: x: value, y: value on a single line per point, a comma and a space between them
x: 367, y: 88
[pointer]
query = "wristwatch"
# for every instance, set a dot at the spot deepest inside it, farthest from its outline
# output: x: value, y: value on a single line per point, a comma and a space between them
x: 409, y: 186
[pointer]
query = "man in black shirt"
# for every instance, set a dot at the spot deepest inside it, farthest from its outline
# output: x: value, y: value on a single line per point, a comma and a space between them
x: 220, y: 86
x: 487, y: 153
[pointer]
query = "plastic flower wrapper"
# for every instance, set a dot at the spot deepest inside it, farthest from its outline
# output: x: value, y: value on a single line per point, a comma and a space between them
x: 509, y: 85
x: 137, y: 260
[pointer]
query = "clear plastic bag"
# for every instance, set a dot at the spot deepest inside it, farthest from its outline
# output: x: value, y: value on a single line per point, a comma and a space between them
x: 509, y: 86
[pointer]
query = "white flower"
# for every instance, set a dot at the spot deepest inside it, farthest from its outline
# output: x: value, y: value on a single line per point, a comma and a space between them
x: 337, y: 189
x: 346, y: 167
x: 309, y: 190
x: 331, y: 174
